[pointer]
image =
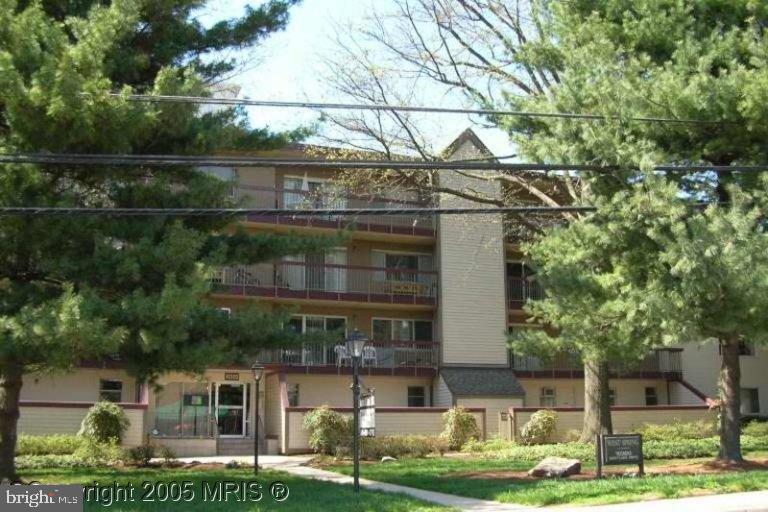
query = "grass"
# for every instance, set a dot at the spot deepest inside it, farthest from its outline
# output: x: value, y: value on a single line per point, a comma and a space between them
x: 305, y: 495
x: 452, y: 475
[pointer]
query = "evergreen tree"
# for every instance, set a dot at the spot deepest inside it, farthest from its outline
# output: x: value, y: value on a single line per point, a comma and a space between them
x: 674, y: 59
x: 88, y: 287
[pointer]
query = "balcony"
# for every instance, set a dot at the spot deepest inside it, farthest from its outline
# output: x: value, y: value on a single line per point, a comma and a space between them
x: 519, y: 290
x: 660, y: 364
x: 379, y: 358
x: 298, y: 280
x: 266, y: 197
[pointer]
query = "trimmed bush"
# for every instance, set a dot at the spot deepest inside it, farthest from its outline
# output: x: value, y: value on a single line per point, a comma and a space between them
x: 104, y: 422
x: 539, y: 429
x: 756, y: 429
x: 374, y: 448
x: 677, y: 430
x: 328, y: 430
x: 94, y: 453
x: 58, y: 444
x: 139, y: 455
x: 459, y: 427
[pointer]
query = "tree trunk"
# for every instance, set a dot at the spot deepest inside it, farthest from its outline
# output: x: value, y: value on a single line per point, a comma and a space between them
x: 597, y: 405
x: 10, y: 390
x: 730, y: 401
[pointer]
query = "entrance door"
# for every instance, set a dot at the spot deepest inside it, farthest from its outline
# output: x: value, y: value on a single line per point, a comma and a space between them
x: 230, y: 409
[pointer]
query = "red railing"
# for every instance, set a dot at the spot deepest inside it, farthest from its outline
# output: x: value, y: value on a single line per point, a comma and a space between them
x: 265, y: 197
x: 377, y: 355
x: 297, y: 280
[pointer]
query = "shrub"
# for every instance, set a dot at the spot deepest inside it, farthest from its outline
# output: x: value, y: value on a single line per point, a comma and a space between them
x: 104, y: 422
x: 328, y: 430
x: 58, y: 444
x: 572, y: 435
x: 539, y: 429
x: 95, y: 453
x: 139, y: 455
x: 676, y: 430
x: 49, y: 461
x: 756, y: 429
x: 167, y: 454
x: 374, y: 448
x: 459, y: 426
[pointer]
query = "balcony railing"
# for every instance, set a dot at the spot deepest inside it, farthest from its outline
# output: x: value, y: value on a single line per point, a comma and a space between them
x: 266, y: 197
x: 661, y: 364
x: 297, y: 280
x: 377, y: 355
x: 519, y: 290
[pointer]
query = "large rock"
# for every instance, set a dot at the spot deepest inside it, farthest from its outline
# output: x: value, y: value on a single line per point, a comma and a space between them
x: 556, y: 467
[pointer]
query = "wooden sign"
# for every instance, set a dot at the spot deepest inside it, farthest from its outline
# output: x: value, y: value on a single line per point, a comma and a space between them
x: 231, y: 376
x: 619, y: 449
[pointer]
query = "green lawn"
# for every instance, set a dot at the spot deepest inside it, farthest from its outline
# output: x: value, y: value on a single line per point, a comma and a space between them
x: 305, y: 495
x: 452, y: 475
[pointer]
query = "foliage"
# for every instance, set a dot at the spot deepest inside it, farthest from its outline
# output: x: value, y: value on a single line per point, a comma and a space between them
x: 652, y: 449
x: 139, y: 455
x: 104, y: 421
x: 413, y: 446
x: 328, y: 430
x: 539, y: 428
x: 459, y: 427
x: 677, y: 430
x: 96, y: 453
x: 167, y: 453
x: 755, y: 429
x: 24, y: 462
x: 57, y: 444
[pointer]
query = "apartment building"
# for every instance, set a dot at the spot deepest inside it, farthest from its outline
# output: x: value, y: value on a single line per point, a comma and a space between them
x: 435, y: 296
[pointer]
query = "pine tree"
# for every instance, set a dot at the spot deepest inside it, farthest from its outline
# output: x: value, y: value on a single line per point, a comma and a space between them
x: 88, y: 287
x: 672, y: 59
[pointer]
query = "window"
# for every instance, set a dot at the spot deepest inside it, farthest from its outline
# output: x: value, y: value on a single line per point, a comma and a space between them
x: 650, y: 396
x: 111, y: 390
x: 750, y: 401
x: 293, y: 395
x: 416, y: 396
x: 402, y: 266
x: 302, y: 324
x: 401, y: 330
x: 547, y: 398
x: 612, y: 397
x: 226, y: 174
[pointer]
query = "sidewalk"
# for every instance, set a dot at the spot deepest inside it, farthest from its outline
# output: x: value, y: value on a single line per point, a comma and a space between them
x: 294, y: 464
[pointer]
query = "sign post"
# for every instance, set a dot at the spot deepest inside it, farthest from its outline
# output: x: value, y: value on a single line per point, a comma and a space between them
x: 368, y: 414
x: 619, y: 449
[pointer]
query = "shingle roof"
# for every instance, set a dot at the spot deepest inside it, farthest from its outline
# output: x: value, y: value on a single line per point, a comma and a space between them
x: 481, y: 381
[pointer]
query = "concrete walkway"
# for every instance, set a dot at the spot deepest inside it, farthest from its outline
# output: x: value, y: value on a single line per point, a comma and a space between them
x: 296, y: 465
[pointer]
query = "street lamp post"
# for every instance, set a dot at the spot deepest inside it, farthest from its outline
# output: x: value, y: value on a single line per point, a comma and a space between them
x: 258, y: 373
x: 355, y: 343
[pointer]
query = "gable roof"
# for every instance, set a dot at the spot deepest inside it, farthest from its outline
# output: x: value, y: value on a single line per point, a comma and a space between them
x: 466, y: 381
x: 467, y: 135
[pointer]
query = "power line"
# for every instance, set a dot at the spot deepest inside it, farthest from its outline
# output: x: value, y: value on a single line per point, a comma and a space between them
x: 202, y: 100
x: 224, y: 161
x: 55, y: 211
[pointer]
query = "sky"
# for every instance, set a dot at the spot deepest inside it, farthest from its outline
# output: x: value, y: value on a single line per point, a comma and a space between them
x: 289, y: 68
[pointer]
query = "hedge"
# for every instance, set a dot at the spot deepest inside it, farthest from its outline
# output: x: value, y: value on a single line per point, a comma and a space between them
x: 58, y: 444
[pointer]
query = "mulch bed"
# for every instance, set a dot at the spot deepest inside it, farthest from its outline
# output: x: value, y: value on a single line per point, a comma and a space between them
x: 699, y: 468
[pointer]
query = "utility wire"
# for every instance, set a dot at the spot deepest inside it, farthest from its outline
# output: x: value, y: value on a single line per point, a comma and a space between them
x: 202, y: 100
x: 224, y: 161
x: 54, y: 211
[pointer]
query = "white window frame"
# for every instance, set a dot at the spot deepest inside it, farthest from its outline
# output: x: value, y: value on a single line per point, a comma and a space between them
x: 102, y: 391
x: 544, y: 396
x: 408, y: 396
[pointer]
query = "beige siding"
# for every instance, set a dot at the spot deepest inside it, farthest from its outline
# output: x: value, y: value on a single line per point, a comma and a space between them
x: 494, y: 407
x: 66, y: 420
x: 334, y: 390
x: 570, y: 392
x: 189, y: 447
x: 272, y: 406
x: 80, y: 385
x: 472, y: 306
x: 387, y: 423
x: 623, y: 420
